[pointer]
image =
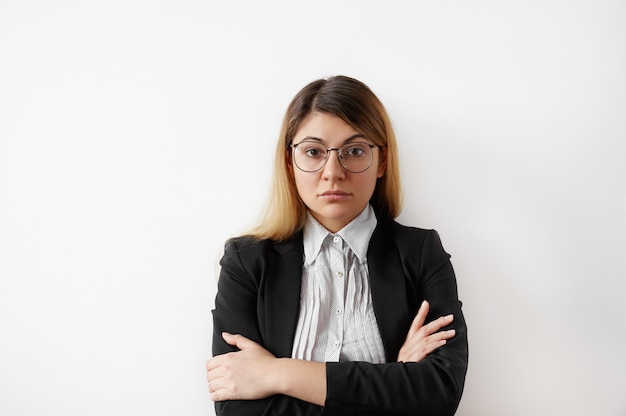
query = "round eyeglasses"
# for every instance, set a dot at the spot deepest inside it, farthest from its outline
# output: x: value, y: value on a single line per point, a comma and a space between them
x: 310, y: 156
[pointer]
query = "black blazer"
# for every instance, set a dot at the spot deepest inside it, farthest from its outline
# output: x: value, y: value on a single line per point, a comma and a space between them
x: 259, y: 297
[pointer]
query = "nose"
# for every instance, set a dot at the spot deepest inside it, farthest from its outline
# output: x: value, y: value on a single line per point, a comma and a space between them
x: 333, y: 168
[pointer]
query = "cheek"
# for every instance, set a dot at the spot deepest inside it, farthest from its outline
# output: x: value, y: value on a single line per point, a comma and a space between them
x: 305, y: 183
x: 369, y: 181
x: 369, y: 187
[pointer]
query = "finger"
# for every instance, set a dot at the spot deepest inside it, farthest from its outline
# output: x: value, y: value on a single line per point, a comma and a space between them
x: 214, y: 374
x: 214, y: 362
x: 229, y: 338
x: 426, y: 349
x: 420, y: 318
x: 238, y: 341
x: 416, y: 353
x: 419, y: 343
x: 437, y: 324
x: 419, y: 350
x: 216, y: 381
x: 219, y: 394
x: 441, y: 336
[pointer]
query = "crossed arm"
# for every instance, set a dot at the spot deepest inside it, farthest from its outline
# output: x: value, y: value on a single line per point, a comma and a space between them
x: 250, y: 374
x: 253, y: 373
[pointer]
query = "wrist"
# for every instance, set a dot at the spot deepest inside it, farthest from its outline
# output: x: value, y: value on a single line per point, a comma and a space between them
x: 279, y: 377
x: 304, y: 380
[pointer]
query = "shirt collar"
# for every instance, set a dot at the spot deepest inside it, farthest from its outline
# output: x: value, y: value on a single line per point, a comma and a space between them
x: 356, y: 234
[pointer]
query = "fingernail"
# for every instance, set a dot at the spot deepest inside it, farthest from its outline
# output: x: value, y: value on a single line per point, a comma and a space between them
x: 450, y: 316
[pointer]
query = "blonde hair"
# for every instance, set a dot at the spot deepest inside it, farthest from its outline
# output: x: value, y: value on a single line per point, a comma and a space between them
x: 354, y: 103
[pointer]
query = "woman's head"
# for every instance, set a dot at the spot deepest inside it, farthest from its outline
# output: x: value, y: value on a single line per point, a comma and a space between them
x: 355, y: 104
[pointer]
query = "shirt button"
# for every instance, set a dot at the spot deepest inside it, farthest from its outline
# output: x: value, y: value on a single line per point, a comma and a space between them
x: 336, y: 344
x: 336, y: 239
x: 339, y: 274
x: 338, y: 311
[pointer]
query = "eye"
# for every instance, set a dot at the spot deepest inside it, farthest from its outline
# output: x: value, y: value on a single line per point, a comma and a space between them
x: 313, y: 151
x: 355, y: 150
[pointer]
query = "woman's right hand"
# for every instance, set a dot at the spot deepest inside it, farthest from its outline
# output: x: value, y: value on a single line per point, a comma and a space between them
x: 424, y: 339
x: 240, y: 375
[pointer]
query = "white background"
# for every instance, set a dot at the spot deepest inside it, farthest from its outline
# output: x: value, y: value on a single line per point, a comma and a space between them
x: 136, y: 136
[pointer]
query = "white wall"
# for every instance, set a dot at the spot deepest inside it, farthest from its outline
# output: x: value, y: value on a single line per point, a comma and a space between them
x: 135, y: 136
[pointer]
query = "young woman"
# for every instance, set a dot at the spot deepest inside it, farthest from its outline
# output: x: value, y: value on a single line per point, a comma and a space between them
x: 330, y: 307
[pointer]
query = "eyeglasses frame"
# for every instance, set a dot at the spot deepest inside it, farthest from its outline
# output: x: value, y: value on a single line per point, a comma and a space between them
x: 339, y: 155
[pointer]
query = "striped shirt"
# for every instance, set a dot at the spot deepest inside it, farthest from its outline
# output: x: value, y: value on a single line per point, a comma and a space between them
x: 337, y: 321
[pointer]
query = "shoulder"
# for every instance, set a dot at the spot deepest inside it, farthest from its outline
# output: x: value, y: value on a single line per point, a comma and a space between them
x: 250, y: 249
x: 400, y: 233
x: 246, y: 260
x: 413, y: 244
x: 246, y: 244
x: 417, y: 252
x: 250, y: 244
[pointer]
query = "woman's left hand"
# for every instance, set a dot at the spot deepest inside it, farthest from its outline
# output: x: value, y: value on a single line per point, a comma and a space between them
x: 242, y: 375
x: 424, y: 339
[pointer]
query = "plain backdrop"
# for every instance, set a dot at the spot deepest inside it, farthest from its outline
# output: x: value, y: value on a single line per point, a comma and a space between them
x: 136, y: 136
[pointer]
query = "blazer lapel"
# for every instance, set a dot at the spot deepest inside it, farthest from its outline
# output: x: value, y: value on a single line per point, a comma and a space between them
x: 387, y: 281
x: 281, y: 302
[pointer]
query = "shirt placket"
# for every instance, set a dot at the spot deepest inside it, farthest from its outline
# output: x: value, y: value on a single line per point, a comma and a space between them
x: 337, y: 305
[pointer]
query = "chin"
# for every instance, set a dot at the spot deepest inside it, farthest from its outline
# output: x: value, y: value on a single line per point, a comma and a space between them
x: 338, y: 217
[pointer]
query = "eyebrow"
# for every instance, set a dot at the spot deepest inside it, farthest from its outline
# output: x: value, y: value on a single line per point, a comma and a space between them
x: 349, y: 139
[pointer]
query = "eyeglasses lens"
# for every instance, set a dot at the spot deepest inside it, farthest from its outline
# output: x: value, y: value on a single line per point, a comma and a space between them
x: 354, y: 157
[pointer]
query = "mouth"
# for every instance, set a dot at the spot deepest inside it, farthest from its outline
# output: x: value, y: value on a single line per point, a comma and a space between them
x: 334, y: 195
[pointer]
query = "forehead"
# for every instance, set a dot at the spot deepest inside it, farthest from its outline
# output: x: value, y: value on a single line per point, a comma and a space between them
x: 326, y: 128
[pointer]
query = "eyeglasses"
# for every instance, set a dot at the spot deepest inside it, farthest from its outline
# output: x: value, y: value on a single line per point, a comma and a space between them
x: 355, y: 157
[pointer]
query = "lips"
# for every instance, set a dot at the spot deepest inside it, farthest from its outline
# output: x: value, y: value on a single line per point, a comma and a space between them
x: 327, y: 193
x: 334, y: 195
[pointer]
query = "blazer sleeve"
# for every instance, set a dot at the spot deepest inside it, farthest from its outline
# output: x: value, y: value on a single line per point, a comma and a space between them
x: 431, y: 387
x: 236, y: 312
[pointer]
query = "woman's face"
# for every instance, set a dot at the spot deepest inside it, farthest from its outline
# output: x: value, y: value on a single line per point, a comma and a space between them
x: 333, y: 195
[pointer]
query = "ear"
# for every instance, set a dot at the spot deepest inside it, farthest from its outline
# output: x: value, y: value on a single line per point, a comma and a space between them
x: 289, y: 162
x: 382, y: 161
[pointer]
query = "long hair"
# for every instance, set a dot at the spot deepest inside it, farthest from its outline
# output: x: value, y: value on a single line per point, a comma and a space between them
x: 353, y: 102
